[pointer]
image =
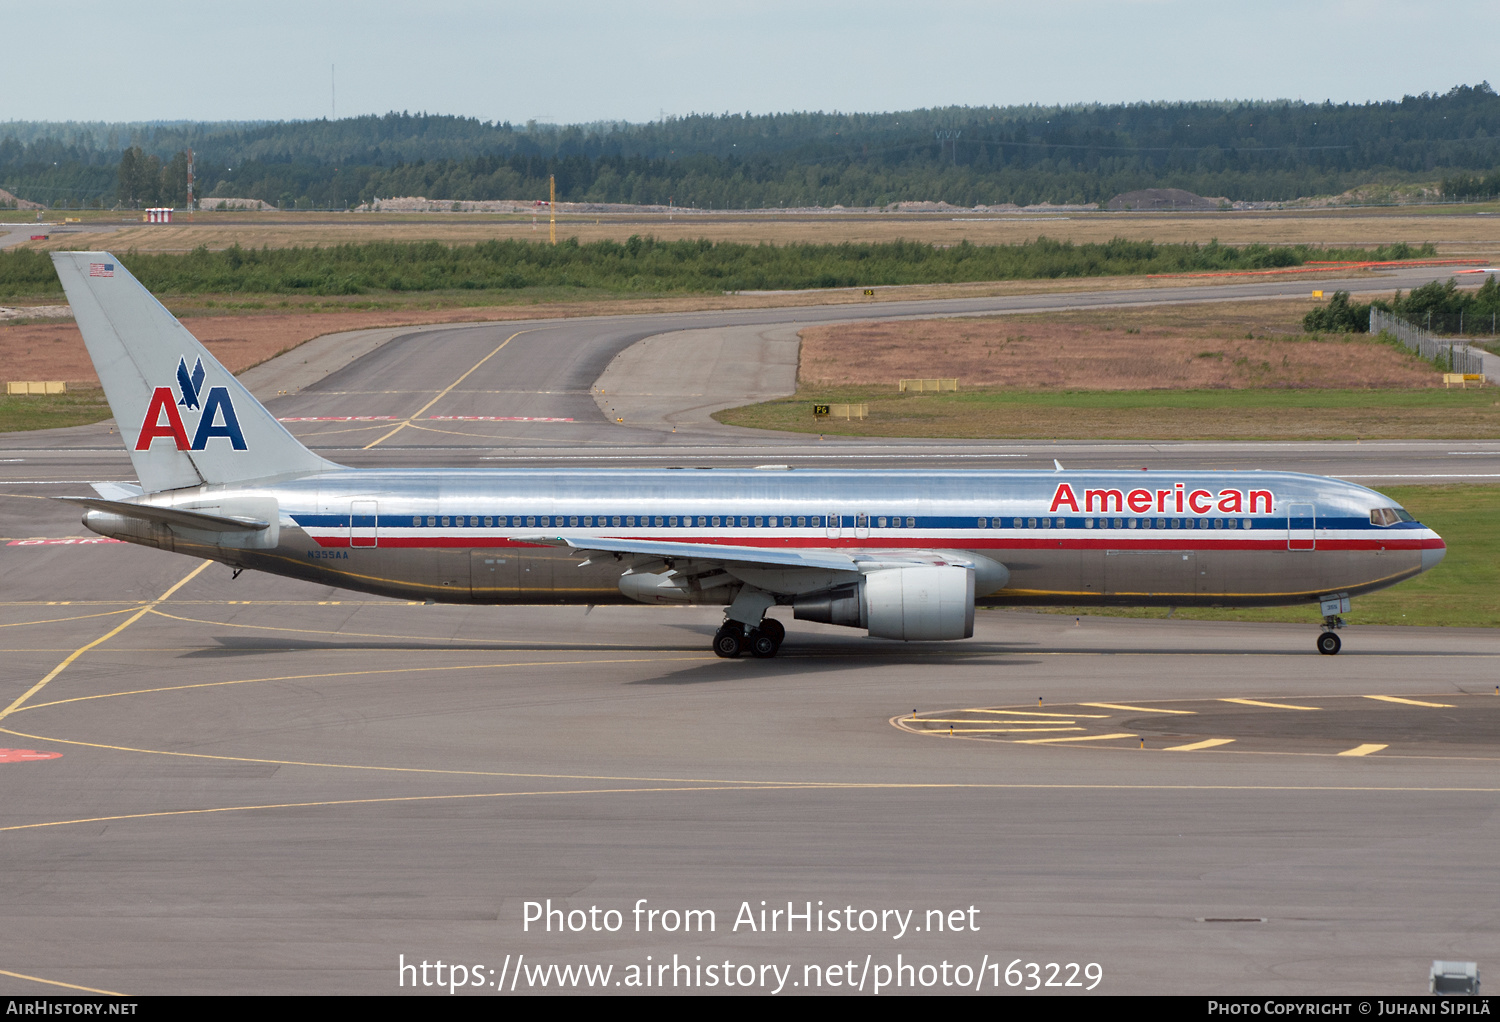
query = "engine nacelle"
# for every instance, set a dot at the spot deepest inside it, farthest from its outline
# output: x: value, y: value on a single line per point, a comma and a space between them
x: 920, y: 602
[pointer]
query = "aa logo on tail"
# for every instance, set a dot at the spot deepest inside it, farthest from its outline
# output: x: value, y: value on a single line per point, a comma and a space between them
x: 216, y: 417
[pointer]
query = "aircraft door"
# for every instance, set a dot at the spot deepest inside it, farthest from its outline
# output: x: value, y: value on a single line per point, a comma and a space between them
x: 364, y: 523
x: 835, y: 526
x: 1301, y: 523
x: 861, y: 526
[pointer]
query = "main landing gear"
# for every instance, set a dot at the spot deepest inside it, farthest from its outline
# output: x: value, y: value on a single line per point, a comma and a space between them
x: 731, y: 640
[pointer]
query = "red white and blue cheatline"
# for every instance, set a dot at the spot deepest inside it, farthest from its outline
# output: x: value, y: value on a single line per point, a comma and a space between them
x: 101, y: 269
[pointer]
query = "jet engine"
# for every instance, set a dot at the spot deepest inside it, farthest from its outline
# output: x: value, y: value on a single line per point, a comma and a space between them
x: 918, y: 602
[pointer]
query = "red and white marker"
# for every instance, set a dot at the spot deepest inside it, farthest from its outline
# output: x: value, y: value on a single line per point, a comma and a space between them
x: 26, y: 755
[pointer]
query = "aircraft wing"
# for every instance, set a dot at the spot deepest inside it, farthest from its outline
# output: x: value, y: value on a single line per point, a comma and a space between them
x: 642, y: 549
x: 699, y: 566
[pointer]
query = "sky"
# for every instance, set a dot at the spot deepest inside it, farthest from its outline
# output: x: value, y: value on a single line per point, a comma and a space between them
x: 587, y: 60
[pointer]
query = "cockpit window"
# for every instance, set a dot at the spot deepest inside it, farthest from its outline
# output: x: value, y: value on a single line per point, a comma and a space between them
x: 1389, y: 516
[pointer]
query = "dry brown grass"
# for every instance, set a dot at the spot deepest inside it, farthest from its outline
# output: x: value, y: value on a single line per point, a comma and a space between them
x: 1196, y: 347
x: 1245, y: 414
x: 55, y: 351
x: 1454, y: 234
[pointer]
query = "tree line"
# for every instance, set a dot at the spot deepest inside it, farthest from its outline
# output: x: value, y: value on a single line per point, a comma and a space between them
x: 643, y: 265
x: 1438, y: 306
x: 1268, y: 151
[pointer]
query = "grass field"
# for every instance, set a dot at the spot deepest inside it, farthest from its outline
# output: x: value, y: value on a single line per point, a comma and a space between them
x: 50, y: 411
x: 1456, y: 230
x: 1138, y: 415
x: 1464, y: 590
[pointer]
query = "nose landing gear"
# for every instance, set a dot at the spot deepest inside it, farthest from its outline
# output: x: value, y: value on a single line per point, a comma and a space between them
x: 1332, y: 606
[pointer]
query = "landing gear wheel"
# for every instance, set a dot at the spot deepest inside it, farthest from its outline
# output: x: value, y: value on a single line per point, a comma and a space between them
x: 775, y: 629
x: 1329, y: 643
x: 729, y: 642
x: 762, y: 645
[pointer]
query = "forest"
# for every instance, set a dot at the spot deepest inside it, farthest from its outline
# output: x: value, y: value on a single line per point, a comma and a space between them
x: 1260, y: 151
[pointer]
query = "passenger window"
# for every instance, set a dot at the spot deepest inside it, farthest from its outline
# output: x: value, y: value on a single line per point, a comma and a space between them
x: 759, y: 522
x: 801, y: 522
x: 983, y: 522
x: 1017, y: 523
x: 911, y: 523
x: 416, y: 521
x: 445, y: 522
x: 880, y: 523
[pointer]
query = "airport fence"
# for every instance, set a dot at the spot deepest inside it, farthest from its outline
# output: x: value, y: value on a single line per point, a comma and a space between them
x: 1450, y: 355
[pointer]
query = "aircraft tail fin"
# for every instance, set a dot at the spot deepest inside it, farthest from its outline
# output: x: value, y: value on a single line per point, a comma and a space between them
x: 184, y: 418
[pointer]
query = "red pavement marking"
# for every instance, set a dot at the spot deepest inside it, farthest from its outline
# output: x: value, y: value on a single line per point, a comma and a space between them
x: 432, y: 418
x: 64, y: 541
x: 26, y: 755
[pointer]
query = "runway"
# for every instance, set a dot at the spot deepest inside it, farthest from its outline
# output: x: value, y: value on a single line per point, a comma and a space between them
x: 259, y: 786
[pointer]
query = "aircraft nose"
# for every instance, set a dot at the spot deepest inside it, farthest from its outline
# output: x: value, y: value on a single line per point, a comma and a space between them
x: 1433, y: 554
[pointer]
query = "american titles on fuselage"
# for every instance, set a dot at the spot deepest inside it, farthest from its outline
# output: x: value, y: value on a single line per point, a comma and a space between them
x: 1176, y: 499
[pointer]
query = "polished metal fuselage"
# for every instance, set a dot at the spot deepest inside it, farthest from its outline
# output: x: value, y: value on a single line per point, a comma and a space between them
x: 1067, y: 538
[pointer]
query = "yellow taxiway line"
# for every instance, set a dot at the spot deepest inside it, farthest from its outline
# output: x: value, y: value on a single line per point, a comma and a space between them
x: 1206, y: 744
x: 1411, y: 702
x: 1137, y: 709
x: 444, y: 392
x: 132, y: 619
x: 1274, y: 706
x: 1080, y: 738
x: 59, y: 983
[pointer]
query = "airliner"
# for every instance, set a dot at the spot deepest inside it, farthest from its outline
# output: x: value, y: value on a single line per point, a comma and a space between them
x: 899, y: 554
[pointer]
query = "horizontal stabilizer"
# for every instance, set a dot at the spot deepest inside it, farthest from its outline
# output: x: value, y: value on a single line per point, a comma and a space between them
x: 117, y: 491
x: 170, y: 515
